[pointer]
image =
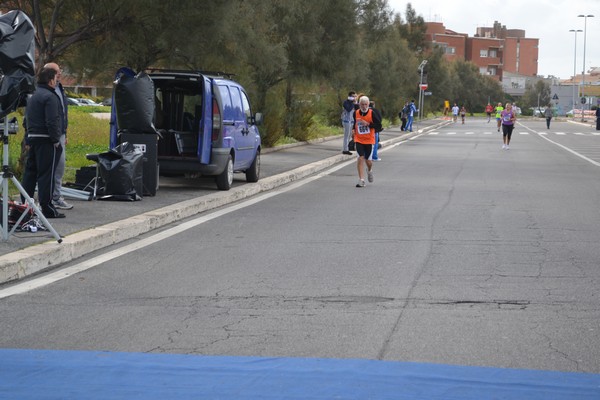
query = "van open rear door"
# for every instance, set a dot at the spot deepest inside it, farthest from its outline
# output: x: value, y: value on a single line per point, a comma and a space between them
x: 205, y: 138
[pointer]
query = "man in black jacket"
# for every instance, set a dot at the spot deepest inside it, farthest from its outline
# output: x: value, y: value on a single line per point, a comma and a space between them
x: 44, y: 119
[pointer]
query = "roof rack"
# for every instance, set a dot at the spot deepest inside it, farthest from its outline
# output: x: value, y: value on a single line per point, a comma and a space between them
x: 227, y: 75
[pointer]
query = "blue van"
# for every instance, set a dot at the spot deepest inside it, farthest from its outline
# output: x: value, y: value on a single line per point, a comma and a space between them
x: 205, y: 126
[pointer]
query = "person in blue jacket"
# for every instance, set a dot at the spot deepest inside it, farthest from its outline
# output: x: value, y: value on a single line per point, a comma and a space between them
x: 412, y: 109
x: 376, y: 145
x: 347, y: 116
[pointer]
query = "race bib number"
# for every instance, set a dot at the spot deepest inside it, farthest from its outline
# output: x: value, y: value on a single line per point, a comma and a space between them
x: 507, y: 117
x: 363, y: 129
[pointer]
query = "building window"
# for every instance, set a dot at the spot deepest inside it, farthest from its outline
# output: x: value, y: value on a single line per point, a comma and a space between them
x: 492, y: 71
x: 493, y: 54
x: 483, y: 53
x: 450, y: 50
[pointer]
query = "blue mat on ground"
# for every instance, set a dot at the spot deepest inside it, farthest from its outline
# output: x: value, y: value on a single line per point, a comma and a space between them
x: 91, y: 375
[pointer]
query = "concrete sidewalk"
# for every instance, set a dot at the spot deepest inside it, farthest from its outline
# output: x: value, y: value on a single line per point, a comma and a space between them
x: 93, y: 225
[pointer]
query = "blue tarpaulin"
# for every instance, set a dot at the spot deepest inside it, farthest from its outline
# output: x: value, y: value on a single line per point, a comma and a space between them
x: 91, y: 375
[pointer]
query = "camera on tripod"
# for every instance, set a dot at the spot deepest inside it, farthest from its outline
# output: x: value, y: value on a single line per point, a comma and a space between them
x: 13, y: 126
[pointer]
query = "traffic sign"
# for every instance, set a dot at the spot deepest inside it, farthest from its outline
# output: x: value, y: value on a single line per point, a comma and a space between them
x: 555, y: 97
x: 583, y: 100
x: 427, y: 93
x: 423, y: 86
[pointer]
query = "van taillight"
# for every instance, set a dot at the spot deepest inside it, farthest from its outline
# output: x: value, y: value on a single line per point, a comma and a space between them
x: 216, y: 121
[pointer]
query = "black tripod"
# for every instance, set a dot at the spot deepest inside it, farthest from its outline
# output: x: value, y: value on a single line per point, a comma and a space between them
x: 7, y: 175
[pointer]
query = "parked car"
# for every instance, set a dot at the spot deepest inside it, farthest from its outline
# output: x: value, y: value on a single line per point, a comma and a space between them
x: 205, y: 122
x: 71, y: 101
x: 538, y: 112
x: 89, y: 102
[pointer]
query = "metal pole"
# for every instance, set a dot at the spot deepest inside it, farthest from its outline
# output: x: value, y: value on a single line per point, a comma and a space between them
x: 585, y: 17
x: 421, y: 66
x: 420, y: 94
x: 422, y: 102
x: 574, y: 66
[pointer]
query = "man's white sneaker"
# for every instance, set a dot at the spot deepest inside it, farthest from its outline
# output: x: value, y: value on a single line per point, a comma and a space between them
x: 503, y: 147
x: 62, y: 204
x: 360, y: 184
x: 370, y: 176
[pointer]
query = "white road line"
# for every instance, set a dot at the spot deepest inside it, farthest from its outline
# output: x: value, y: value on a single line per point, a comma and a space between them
x: 451, y: 133
x: 434, y: 133
x: 543, y: 136
x: 487, y: 133
x: 559, y: 133
x: 523, y: 133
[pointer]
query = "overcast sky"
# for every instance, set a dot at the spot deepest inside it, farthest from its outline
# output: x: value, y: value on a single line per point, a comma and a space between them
x: 546, y: 20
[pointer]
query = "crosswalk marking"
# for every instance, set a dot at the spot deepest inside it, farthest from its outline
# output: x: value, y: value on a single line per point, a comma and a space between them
x: 560, y: 133
x: 523, y: 133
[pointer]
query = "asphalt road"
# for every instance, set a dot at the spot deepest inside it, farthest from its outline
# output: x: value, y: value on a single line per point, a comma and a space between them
x: 94, y: 225
x: 459, y: 253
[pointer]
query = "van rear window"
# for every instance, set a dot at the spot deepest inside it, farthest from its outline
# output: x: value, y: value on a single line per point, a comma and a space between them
x: 232, y: 103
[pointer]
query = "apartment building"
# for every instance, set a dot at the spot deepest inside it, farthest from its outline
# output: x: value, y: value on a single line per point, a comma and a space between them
x: 495, y: 50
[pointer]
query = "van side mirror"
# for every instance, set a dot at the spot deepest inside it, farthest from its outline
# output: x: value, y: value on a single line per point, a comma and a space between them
x: 258, y: 119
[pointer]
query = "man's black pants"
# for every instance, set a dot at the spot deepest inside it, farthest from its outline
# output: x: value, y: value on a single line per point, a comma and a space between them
x: 42, y: 159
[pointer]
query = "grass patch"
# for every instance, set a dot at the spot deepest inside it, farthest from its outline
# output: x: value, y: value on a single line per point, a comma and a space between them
x: 86, y: 134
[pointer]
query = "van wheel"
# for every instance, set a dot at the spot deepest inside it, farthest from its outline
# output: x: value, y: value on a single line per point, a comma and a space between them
x: 253, y: 173
x: 225, y: 178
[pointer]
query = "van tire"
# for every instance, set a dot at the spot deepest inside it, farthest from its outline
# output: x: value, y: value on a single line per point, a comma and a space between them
x: 253, y: 173
x: 225, y: 178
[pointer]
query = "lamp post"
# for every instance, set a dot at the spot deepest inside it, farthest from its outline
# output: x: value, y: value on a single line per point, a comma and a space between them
x: 575, y: 66
x: 585, y: 17
x: 421, y: 66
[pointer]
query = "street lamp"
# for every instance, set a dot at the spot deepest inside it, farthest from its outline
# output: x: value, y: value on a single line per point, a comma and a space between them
x: 421, y: 66
x: 585, y: 17
x: 575, y: 66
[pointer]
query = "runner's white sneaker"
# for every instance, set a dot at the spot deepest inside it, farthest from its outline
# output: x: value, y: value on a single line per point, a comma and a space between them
x: 370, y: 176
